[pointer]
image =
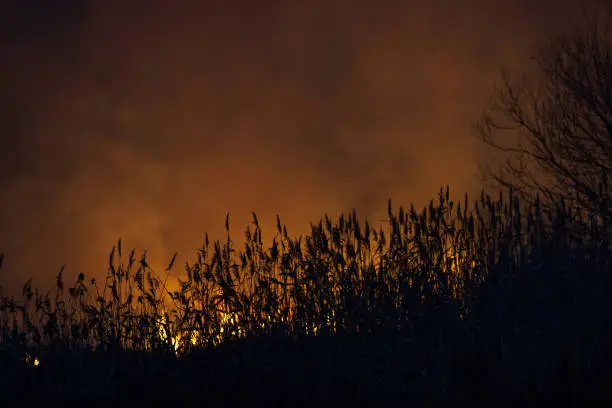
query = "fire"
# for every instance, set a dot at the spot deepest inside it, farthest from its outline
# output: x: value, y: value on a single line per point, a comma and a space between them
x: 32, y: 360
x: 176, y: 340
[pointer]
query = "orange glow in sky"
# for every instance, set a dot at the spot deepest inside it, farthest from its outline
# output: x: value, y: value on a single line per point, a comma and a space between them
x: 151, y: 123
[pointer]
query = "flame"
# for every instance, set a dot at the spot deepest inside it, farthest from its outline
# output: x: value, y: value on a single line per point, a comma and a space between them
x: 176, y: 340
x: 32, y: 361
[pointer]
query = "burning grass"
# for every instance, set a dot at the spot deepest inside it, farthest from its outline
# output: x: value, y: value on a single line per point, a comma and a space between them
x: 495, y: 300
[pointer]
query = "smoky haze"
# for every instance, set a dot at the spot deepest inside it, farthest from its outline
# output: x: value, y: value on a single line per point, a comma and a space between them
x: 150, y: 120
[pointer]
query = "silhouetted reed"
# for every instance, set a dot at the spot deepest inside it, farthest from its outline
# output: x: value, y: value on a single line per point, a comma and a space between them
x: 496, y: 300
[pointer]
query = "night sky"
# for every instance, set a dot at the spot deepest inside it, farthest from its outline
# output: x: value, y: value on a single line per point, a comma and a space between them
x: 150, y: 119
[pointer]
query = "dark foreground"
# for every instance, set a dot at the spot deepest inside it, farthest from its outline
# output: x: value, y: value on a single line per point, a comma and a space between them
x: 378, y: 370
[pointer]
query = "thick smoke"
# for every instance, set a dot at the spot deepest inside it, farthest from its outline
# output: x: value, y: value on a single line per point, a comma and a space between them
x: 150, y: 121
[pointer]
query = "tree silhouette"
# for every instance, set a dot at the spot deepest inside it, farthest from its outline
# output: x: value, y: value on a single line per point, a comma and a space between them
x: 553, y: 125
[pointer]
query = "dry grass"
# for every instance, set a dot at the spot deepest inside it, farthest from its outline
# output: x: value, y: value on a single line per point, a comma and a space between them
x: 494, y: 300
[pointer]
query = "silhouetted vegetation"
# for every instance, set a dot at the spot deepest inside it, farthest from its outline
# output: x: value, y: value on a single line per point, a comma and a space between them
x: 494, y: 301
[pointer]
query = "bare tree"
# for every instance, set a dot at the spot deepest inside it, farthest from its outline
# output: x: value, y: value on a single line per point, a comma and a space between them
x: 553, y: 126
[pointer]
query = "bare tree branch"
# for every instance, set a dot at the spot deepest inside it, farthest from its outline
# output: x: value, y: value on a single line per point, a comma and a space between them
x: 553, y: 126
